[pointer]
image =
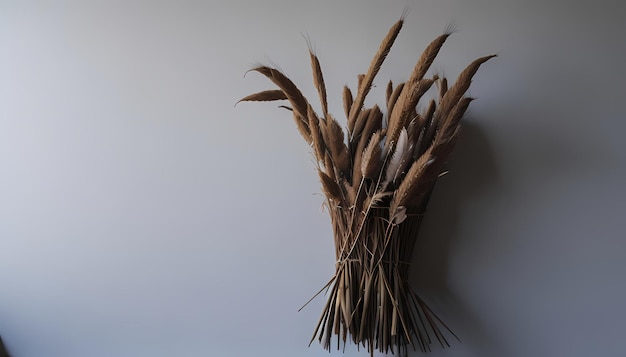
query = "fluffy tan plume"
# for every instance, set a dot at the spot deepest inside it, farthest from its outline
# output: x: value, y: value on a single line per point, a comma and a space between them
x: 396, y: 159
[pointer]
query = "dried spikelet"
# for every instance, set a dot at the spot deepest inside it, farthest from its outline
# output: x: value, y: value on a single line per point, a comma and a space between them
x: 290, y: 90
x: 357, y: 145
x: 302, y: 124
x: 359, y: 124
x: 356, y: 164
x: 427, y: 58
x: 450, y: 123
x: 443, y: 149
x: 409, y: 186
x: 391, y: 102
x: 443, y: 87
x: 359, y: 80
x: 421, y: 67
x: 329, y: 166
x: 373, y: 123
x: 334, y: 138
x: 376, y: 199
x: 413, y: 128
x: 404, y: 108
x: 330, y: 187
x: 439, y: 152
x: 396, y: 158
x: 405, y: 160
x: 347, y: 100
x: 446, y: 135
x: 377, y: 61
x: 388, y: 91
x: 319, y: 148
x: 318, y: 81
x: 430, y: 125
x: 432, y: 106
x: 265, y: 96
x: 411, y: 115
x: 419, y: 147
x: 295, y: 97
x: 399, y: 216
x: 350, y: 193
x: 454, y: 93
x: 372, y: 158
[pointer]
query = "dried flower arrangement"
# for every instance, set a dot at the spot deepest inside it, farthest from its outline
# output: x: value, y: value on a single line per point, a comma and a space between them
x: 377, y: 181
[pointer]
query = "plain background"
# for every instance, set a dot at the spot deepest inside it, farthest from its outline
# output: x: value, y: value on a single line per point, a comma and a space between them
x: 143, y: 214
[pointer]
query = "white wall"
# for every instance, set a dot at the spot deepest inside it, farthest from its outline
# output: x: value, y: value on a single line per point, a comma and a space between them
x: 141, y: 214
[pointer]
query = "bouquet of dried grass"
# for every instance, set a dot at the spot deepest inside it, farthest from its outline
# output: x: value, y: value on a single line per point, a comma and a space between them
x: 377, y: 181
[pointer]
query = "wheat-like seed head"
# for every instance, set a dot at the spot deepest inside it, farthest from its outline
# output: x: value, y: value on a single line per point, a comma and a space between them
x: 317, y: 141
x: 318, y: 81
x: 265, y: 96
x: 372, y: 158
x: 347, y: 100
x: 366, y: 83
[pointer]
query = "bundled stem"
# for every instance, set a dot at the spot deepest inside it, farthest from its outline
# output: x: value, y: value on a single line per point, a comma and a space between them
x: 377, y: 181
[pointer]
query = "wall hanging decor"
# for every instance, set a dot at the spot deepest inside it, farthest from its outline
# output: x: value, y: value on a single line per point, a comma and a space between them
x: 377, y: 178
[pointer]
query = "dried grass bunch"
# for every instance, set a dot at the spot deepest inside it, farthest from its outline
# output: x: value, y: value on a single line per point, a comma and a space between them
x: 377, y: 180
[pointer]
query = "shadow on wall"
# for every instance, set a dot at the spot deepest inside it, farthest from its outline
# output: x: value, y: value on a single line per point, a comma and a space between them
x: 472, y: 171
x: 3, y: 350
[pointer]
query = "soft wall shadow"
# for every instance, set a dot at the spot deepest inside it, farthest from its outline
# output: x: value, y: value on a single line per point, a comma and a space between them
x: 3, y: 350
x: 472, y: 170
